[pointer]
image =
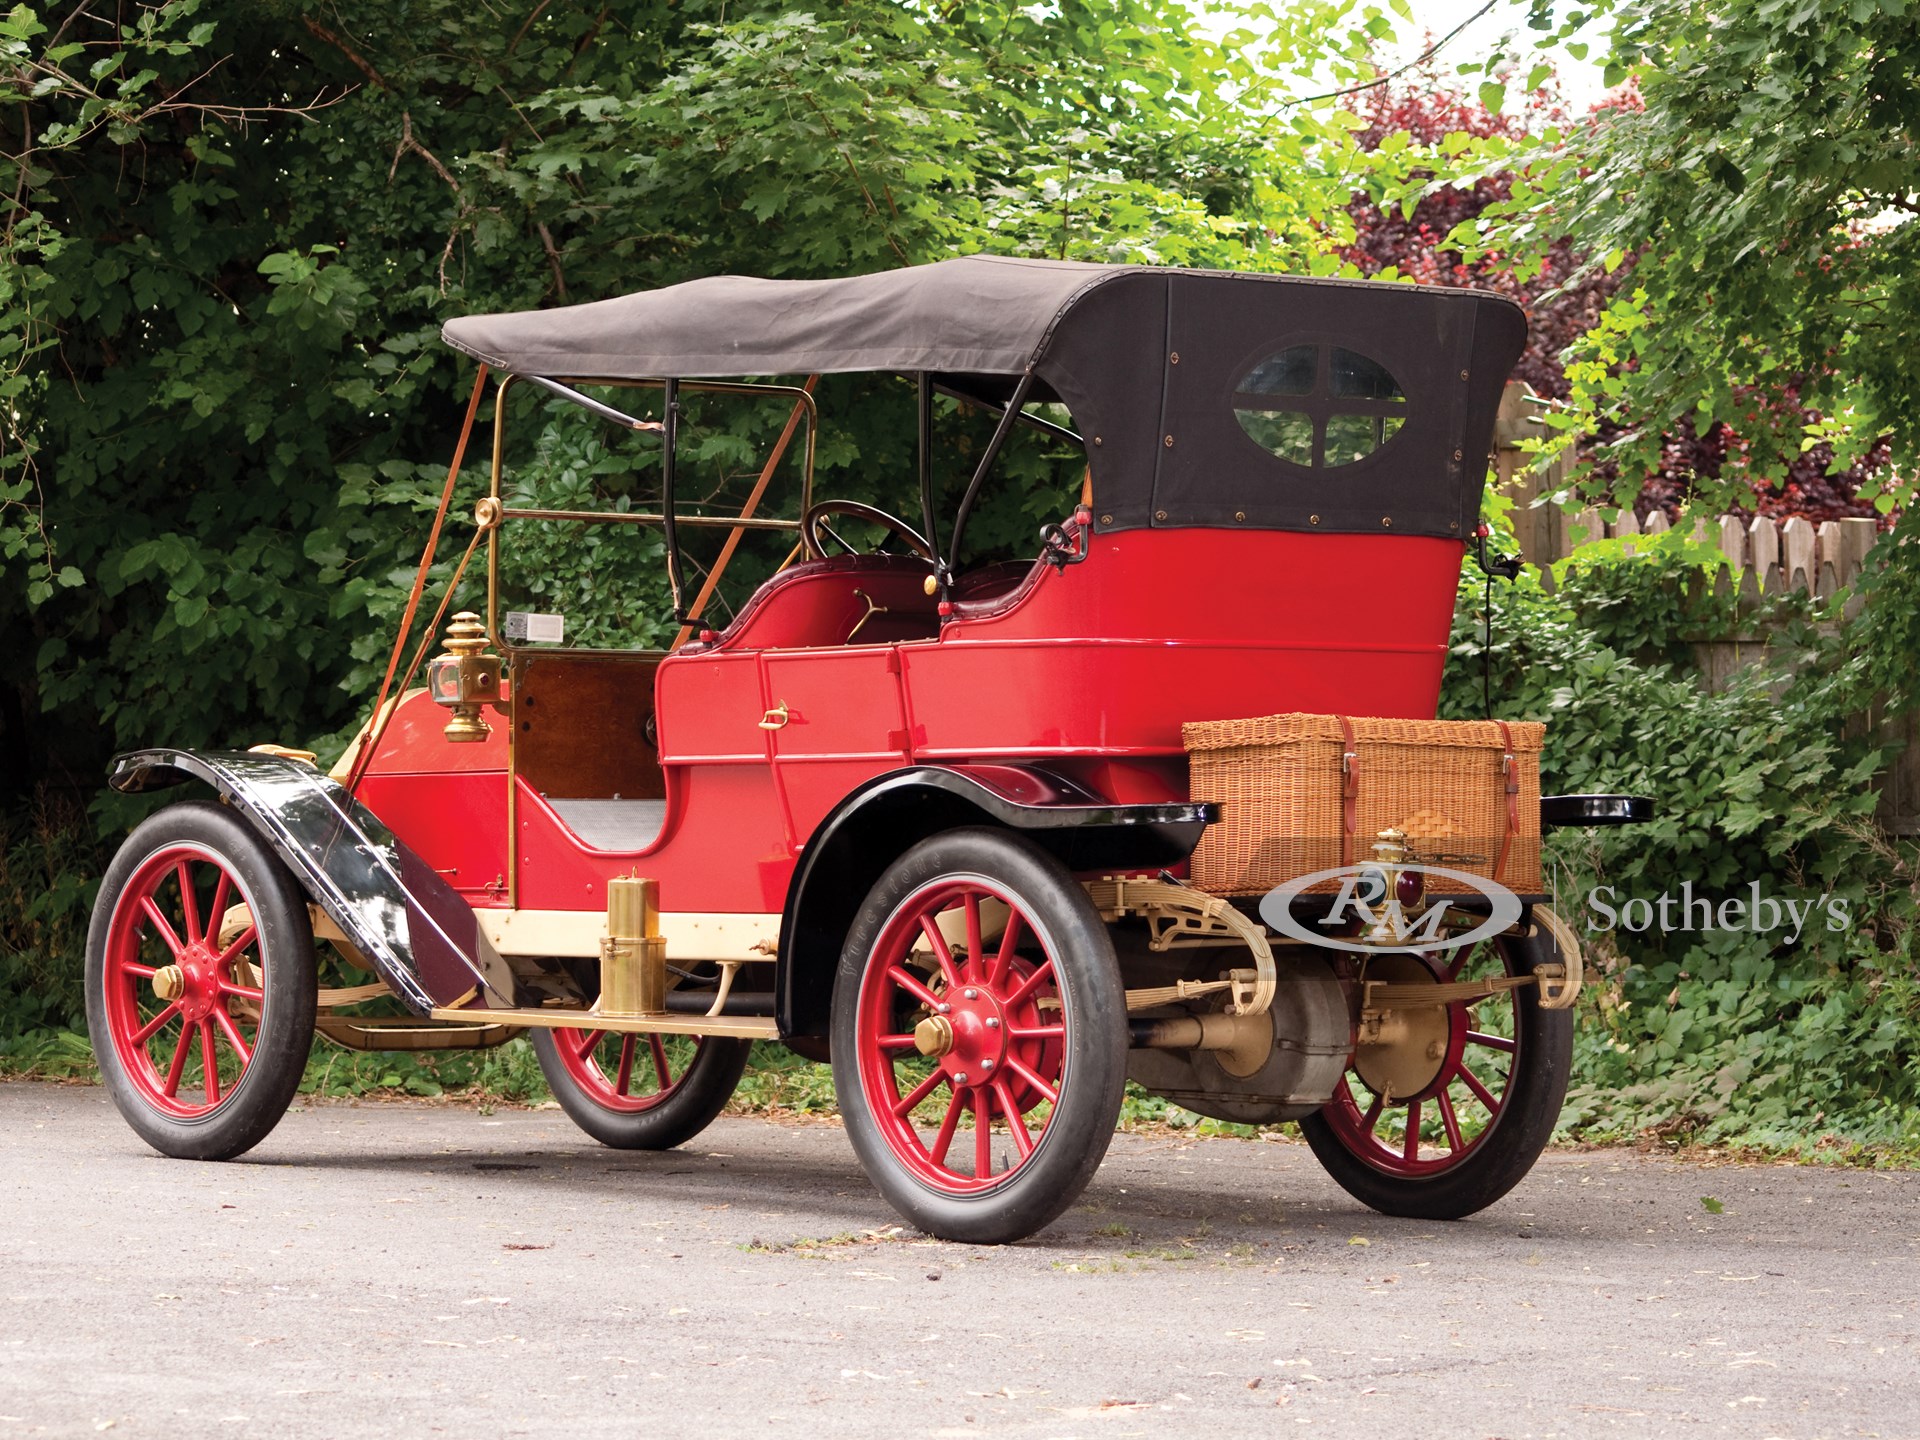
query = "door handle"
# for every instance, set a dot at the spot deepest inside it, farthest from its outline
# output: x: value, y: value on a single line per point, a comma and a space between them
x: 775, y: 718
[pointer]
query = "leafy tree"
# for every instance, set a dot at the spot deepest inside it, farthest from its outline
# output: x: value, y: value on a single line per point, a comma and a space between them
x: 232, y: 230
x: 1404, y: 220
x: 1762, y: 189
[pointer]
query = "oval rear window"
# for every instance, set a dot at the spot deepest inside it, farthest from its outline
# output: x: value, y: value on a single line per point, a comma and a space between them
x: 1319, y: 406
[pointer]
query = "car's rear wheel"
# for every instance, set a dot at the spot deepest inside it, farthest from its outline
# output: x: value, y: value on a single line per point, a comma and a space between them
x: 979, y: 1037
x: 201, y: 1029
x: 640, y: 1092
x: 1452, y: 1116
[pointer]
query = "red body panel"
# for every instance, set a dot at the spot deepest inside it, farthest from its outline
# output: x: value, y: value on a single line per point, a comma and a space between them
x: 1091, y: 668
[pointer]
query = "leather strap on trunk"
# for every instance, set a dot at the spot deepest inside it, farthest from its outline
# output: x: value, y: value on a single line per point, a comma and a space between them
x: 1510, y: 778
x: 1349, y: 790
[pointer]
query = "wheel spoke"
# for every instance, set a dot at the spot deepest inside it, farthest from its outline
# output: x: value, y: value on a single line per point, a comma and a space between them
x: 1492, y: 1042
x: 179, y: 1065
x: 1027, y: 986
x: 1372, y: 1117
x: 625, y: 1076
x: 234, y: 1037
x: 1451, y: 1122
x: 1009, y: 942
x: 188, y: 906
x: 142, y: 972
x: 982, y: 1136
x: 240, y: 942
x: 1412, y: 1146
x: 586, y: 1046
x: 943, y: 1141
x: 906, y: 1103
x: 209, y: 1063
x: 976, y: 961
x: 897, y: 1042
x: 930, y: 927
x: 222, y: 888
x: 1019, y: 1067
x: 662, y: 1072
x: 1016, y: 1127
x: 1460, y: 958
x: 1037, y: 1032
x: 244, y: 992
x: 147, y: 1031
x: 1480, y: 1091
x: 907, y: 982
x: 160, y: 924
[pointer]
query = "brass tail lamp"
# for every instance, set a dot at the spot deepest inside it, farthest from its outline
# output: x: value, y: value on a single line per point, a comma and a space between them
x: 465, y: 681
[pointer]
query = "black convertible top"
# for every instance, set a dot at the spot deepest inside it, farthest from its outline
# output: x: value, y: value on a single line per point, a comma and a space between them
x: 1206, y: 397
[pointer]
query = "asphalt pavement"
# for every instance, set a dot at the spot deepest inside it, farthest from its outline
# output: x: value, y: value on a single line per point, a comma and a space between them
x: 382, y: 1269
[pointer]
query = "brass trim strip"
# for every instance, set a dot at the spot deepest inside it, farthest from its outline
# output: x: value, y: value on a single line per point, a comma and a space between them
x: 648, y: 517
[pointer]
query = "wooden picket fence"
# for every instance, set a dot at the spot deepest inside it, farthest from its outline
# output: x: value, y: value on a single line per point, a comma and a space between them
x: 1765, y: 554
x: 1765, y: 558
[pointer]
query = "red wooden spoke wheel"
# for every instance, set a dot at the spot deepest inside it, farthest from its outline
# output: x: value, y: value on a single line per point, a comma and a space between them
x: 640, y: 1092
x: 1449, y: 1113
x: 201, y: 1023
x: 979, y: 1036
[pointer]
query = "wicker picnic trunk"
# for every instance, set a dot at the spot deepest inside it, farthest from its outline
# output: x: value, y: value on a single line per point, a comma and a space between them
x: 1301, y: 793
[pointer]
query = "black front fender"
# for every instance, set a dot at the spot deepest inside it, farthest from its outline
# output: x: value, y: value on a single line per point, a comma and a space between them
x: 414, y: 928
x: 891, y: 813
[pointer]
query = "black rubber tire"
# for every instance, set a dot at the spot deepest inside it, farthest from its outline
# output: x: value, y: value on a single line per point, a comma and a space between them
x: 1543, y: 1060
x: 1094, y: 1011
x: 699, y: 1094
x: 291, y: 987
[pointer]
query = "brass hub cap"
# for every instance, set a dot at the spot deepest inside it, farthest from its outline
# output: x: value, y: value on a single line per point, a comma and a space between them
x: 933, y: 1036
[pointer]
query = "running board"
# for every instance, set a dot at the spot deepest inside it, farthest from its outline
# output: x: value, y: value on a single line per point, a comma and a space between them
x: 731, y: 1027
x: 393, y: 1032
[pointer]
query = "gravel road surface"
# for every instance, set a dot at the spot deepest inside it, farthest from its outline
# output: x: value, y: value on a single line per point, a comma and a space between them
x: 385, y: 1269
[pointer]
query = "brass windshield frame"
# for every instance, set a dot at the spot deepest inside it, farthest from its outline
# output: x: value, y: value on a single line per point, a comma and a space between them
x: 498, y: 512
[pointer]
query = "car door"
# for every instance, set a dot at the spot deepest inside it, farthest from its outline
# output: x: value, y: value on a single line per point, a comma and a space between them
x: 836, y: 717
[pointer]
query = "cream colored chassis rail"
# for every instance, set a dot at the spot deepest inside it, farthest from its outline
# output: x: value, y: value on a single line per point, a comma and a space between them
x: 1179, y: 917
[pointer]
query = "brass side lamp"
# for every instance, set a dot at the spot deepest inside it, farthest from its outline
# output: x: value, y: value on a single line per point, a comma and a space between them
x: 464, y: 680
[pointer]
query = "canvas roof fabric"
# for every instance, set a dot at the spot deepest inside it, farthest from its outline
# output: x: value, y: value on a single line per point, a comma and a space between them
x: 1206, y: 397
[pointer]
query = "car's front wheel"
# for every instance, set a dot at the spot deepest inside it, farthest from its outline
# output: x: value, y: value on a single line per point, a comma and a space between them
x: 201, y: 983
x: 979, y: 1036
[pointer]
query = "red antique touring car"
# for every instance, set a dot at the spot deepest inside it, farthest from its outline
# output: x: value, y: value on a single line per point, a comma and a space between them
x: 929, y: 816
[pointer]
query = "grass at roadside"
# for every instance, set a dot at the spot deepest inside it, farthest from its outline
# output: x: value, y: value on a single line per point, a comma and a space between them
x: 782, y: 1084
x: 778, y: 1082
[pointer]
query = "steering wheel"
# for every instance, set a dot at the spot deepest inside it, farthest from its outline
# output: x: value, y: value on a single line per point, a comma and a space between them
x: 812, y: 527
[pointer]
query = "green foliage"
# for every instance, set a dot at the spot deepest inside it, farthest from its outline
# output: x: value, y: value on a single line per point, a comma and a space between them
x: 231, y: 232
x: 49, y: 872
x: 1759, y: 181
x: 1721, y: 1034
